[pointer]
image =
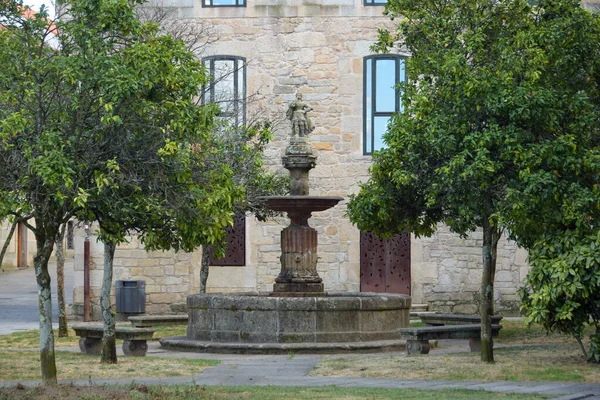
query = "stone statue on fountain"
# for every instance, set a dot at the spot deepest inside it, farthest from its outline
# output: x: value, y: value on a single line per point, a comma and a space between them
x: 297, y: 113
x: 299, y: 157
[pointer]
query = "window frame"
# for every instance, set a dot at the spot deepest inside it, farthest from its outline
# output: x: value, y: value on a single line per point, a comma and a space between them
x: 372, y: 3
x: 208, y: 4
x: 238, y: 62
x: 372, y: 111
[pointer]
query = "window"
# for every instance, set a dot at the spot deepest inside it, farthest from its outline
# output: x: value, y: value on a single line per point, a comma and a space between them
x: 375, y: 2
x: 381, y: 97
x: 235, y: 254
x: 227, y: 87
x: 223, y: 3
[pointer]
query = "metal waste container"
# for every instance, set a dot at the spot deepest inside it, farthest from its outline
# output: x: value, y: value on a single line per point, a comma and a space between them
x: 131, y: 296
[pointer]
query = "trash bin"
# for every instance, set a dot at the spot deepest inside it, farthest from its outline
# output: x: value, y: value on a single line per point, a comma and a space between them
x: 131, y: 296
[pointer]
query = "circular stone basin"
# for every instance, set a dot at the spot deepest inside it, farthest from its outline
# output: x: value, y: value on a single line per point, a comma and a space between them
x: 301, y: 203
x: 259, y: 323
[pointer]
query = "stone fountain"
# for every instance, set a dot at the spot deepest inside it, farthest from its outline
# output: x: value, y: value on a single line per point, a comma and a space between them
x: 298, y: 315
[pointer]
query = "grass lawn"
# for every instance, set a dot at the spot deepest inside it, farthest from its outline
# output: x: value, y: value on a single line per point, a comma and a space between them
x: 532, y: 356
x: 25, y: 365
x: 31, y: 339
x: 251, y: 393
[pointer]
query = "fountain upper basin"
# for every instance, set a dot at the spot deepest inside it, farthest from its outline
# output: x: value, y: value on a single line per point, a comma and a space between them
x: 301, y: 203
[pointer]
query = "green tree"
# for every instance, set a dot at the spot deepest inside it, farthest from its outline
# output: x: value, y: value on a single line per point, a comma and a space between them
x: 562, y: 289
x: 243, y: 148
x: 497, y: 91
x: 104, y: 126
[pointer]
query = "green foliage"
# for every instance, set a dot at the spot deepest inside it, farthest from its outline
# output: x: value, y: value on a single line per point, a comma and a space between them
x: 562, y: 290
x: 243, y: 147
x: 502, y: 101
x: 99, y: 120
x: 149, y: 175
x: 499, y: 123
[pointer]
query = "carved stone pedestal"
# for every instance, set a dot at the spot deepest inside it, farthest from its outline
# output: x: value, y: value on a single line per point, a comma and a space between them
x: 298, y: 256
x: 299, y: 243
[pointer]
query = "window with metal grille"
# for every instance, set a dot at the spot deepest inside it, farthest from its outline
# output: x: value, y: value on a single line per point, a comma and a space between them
x: 227, y: 87
x: 235, y: 255
x: 381, y: 98
x: 223, y: 3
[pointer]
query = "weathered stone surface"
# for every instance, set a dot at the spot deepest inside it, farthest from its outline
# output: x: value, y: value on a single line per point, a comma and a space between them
x: 445, y: 332
x: 338, y: 317
x: 324, y: 53
x: 135, y: 348
x: 417, y: 347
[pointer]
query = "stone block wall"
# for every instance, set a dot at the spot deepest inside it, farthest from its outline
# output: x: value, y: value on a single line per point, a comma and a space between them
x: 318, y: 52
x: 316, y: 47
x: 170, y: 277
x: 9, y: 263
x: 447, y: 271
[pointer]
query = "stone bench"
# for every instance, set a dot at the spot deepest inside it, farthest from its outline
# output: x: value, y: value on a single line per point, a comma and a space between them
x: 436, y: 319
x: 135, y: 339
x: 157, y: 320
x: 417, y: 339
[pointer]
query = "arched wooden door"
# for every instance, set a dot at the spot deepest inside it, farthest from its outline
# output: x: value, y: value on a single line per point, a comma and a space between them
x: 385, y: 264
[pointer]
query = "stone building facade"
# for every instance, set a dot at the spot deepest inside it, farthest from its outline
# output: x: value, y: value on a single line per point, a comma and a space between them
x: 20, y: 249
x: 320, y: 48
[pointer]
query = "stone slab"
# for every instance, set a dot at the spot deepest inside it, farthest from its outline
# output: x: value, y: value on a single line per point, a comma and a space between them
x: 182, y: 343
x: 455, y: 319
x: 156, y: 320
x: 445, y: 332
x: 121, y: 332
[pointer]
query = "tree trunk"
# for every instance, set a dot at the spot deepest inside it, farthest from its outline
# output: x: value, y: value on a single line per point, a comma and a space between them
x: 63, y: 327
x: 109, y: 347
x: 7, y: 241
x: 491, y: 236
x: 204, y: 267
x: 44, y: 246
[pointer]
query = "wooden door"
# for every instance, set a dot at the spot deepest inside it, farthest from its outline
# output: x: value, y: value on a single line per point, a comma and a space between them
x: 235, y: 254
x: 385, y: 264
x: 21, y: 245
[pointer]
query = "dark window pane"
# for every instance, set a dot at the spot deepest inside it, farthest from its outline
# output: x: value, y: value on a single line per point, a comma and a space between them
x: 223, y: 81
x: 227, y: 88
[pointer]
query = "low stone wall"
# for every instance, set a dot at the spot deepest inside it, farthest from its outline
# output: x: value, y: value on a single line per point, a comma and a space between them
x: 253, y: 318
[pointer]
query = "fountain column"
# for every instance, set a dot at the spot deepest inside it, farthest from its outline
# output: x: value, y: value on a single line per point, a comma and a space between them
x: 298, y: 241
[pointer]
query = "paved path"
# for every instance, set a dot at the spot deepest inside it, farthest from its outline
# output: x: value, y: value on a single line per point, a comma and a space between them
x: 284, y: 370
x: 19, y: 299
